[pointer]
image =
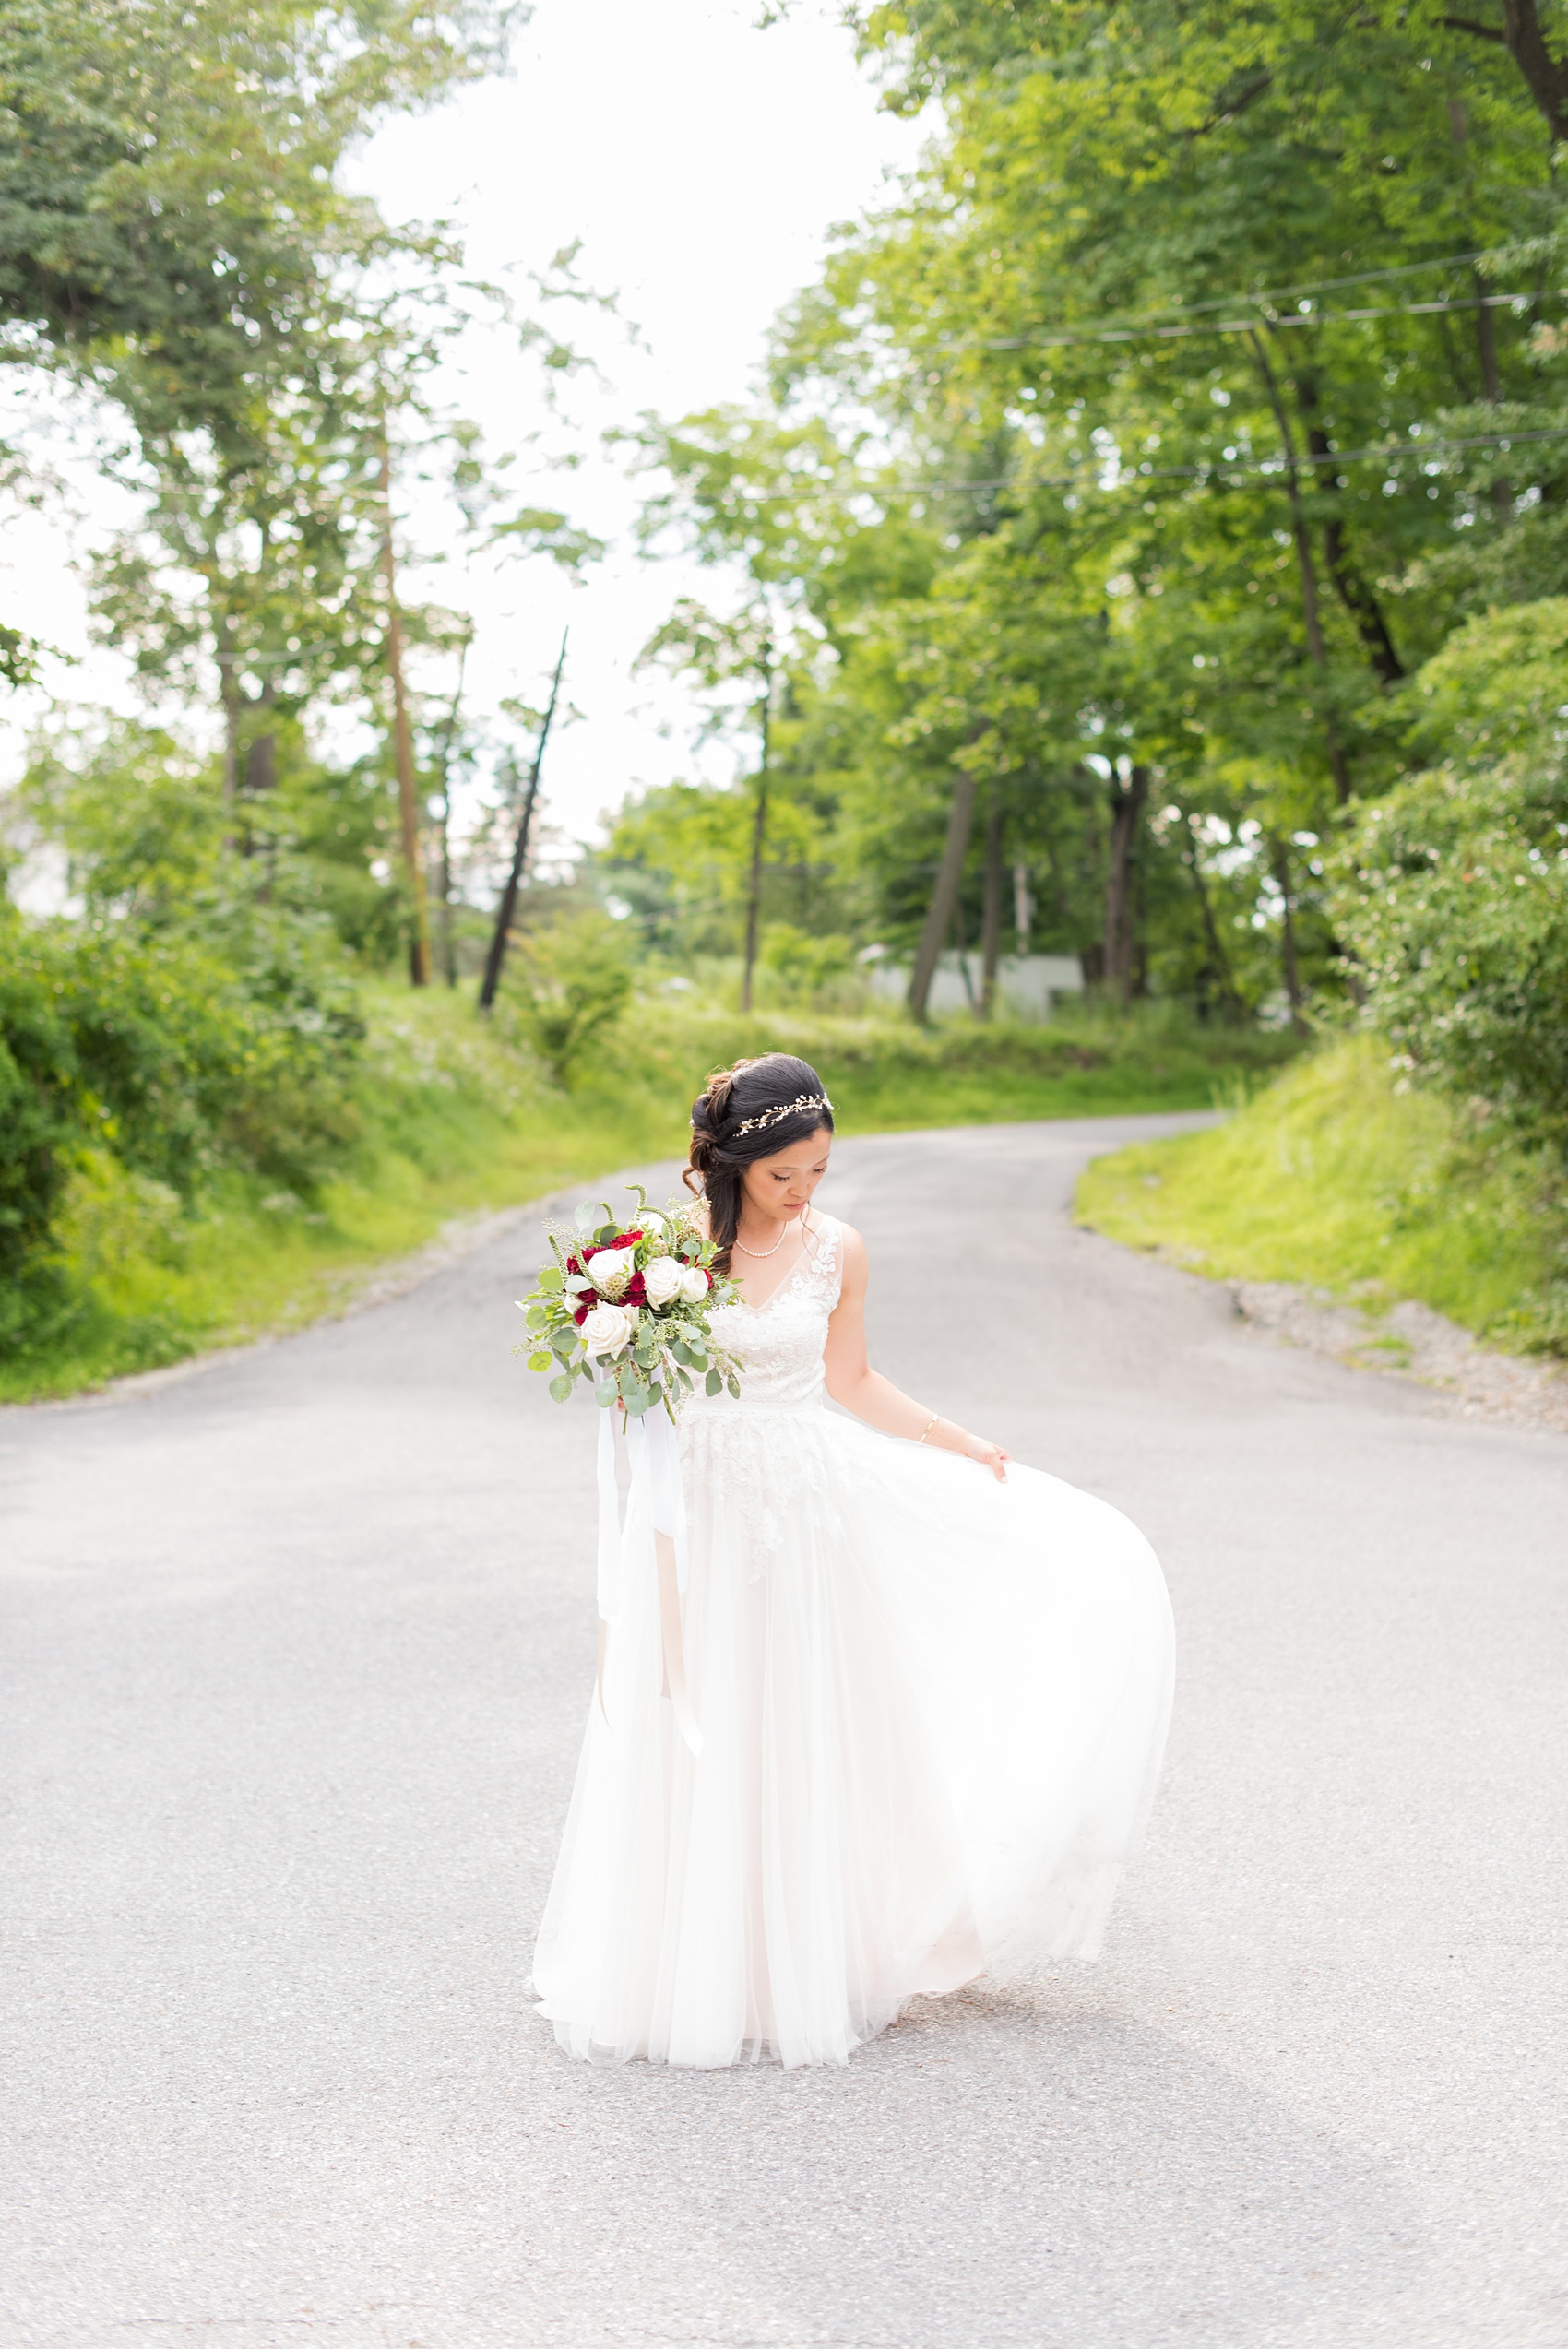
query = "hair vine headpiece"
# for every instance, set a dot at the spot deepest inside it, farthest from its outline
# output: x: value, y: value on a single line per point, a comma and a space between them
x: 786, y: 1110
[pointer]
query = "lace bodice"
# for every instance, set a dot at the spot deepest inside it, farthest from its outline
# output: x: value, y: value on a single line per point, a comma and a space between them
x: 780, y: 1344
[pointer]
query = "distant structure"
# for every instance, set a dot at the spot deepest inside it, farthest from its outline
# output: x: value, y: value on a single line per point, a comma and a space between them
x: 1025, y: 984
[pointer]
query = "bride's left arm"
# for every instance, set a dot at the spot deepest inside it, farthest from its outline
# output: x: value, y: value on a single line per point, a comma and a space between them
x: 853, y: 1382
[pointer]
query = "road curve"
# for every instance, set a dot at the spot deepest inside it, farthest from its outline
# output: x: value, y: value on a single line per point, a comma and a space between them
x: 296, y: 1654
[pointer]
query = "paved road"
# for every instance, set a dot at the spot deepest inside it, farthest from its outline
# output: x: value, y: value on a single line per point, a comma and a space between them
x: 298, y: 1653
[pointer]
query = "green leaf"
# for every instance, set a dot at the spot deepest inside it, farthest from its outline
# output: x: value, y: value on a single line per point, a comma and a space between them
x: 540, y: 1361
x: 604, y: 1394
x: 550, y: 1281
x: 561, y: 1388
x: 733, y: 1384
x: 712, y: 1383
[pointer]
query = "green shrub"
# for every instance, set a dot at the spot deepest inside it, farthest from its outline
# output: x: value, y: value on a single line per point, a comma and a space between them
x: 572, y: 982
x: 179, y: 1056
x: 1452, y: 893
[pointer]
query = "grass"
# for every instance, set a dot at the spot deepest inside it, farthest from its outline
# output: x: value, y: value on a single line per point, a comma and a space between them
x: 458, y: 1118
x: 1341, y: 1178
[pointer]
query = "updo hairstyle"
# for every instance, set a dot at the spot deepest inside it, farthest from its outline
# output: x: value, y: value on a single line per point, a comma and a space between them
x: 720, y: 1152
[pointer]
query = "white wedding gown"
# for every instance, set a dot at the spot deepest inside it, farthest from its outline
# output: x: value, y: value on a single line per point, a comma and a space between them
x: 932, y: 1708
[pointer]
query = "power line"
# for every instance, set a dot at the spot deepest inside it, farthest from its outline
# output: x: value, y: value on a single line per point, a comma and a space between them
x: 1250, y: 326
x: 1213, y: 466
x: 1267, y: 295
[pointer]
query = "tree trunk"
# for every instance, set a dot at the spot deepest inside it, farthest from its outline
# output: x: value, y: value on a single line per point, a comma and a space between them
x: 945, y: 895
x: 402, y: 742
x: 1317, y: 650
x: 759, y: 830
x: 1546, y: 81
x: 1361, y: 603
x: 1217, y: 955
x: 448, y: 941
x: 232, y: 698
x: 1501, y: 493
x: 261, y: 759
x: 1126, y: 809
x: 990, y: 916
x: 1281, y: 862
x: 505, y: 911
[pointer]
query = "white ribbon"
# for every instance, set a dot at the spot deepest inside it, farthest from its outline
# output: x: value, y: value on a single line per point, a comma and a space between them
x: 656, y: 1478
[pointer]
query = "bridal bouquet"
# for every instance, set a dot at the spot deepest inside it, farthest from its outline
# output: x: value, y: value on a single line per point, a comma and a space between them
x: 627, y: 1306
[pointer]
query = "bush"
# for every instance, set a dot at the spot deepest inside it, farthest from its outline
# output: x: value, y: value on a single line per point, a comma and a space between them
x: 178, y: 1057
x: 1452, y: 893
x: 573, y: 982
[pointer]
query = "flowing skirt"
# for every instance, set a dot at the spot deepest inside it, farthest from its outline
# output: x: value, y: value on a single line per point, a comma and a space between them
x: 932, y: 1710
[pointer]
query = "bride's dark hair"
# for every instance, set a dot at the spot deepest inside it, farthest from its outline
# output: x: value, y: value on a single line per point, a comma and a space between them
x: 763, y: 1095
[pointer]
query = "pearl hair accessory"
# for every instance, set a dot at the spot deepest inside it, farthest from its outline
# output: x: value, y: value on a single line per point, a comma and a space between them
x: 787, y: 1110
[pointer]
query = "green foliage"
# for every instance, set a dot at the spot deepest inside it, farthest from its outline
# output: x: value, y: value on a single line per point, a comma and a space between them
x: 177, y: 1056
x: 1342, y: 1176
x: 168, y: 211
x: 574, y: 979
x: 1454, y: 895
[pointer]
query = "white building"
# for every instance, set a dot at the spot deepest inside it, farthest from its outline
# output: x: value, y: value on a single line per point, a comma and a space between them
x: 1025, y: 984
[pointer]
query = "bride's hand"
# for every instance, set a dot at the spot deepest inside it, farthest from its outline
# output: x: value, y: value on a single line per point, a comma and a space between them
x: 989, y: 1456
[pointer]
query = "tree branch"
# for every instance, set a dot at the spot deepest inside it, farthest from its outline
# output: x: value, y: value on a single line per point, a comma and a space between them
x: 1238, y: 105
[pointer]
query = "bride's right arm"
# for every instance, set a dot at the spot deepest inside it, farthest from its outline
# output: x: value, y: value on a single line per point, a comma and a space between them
x: 853, y: 1382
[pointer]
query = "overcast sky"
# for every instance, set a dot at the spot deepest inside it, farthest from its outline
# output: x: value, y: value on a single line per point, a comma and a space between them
x: 701, y: 163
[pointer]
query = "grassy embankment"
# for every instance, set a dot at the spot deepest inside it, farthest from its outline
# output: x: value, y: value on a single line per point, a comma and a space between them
x: 1334, y: 1178
x: 458, y: 1118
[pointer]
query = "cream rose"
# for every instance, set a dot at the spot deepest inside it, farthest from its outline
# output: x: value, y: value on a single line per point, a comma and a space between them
x: 610, y: 1270
x: 608, y: 1329
x: 662, y: 1280
x: 694, y: 1284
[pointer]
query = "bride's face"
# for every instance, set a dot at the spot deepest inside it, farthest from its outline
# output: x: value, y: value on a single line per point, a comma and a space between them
x: 782, y: 1185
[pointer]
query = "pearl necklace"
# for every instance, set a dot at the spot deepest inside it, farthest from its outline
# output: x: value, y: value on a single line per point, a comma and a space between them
x: 760, y: 1254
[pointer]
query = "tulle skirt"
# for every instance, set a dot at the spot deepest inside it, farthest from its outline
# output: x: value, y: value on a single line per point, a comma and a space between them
x: 932, y: 1709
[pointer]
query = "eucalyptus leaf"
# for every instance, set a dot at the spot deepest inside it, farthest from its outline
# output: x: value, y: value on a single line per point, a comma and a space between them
x: 713, y: 1383
x: 561, y: 1388
x: 550, y: 1281
x: 540, y: 1361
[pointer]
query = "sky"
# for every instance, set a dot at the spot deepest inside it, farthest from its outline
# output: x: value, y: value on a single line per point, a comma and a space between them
x: 701, y: 164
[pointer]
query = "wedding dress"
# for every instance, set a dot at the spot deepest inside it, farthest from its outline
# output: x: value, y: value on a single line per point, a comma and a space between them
x: 932, y: 1707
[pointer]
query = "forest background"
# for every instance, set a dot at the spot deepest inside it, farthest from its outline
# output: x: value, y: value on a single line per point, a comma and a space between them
x: 1150, y: 545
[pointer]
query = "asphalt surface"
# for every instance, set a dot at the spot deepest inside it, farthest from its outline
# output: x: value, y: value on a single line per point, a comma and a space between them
x: 296, y: 1656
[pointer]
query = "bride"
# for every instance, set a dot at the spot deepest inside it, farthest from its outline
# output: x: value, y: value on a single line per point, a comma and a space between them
x: 932, y: 1685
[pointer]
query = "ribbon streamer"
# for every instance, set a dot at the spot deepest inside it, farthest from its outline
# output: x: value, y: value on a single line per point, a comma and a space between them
x: 655, y: 1482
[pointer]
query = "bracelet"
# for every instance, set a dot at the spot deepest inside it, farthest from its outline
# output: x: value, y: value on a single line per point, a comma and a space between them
x: 930, y: 1423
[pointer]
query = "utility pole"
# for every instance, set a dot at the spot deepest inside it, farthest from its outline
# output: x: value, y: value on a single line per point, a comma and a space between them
x: 759, y: 827
x: 402, y: 738
x: 506, y: 909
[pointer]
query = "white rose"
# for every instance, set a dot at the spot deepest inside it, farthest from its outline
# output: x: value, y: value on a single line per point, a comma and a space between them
x: 610, y: 1270
x: 607, y: 1328
x: 663, y: 1280
x: 694, y: 1283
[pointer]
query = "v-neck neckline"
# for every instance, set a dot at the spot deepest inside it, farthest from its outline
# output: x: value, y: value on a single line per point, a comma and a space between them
x: 804, y: 1258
